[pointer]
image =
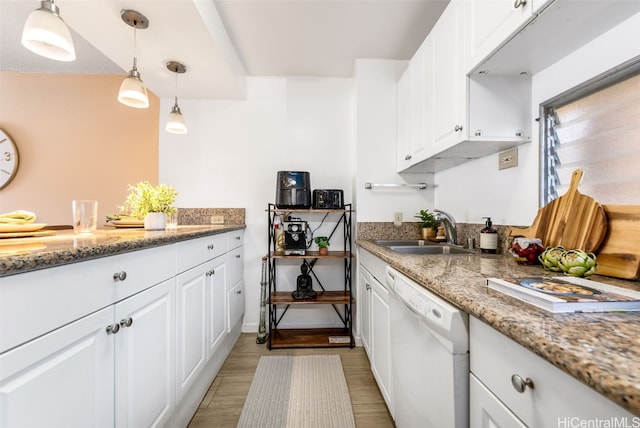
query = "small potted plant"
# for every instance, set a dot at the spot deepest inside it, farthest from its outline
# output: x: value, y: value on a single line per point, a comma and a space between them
x: 151, y: 203
x: 428, y: 224
x: 323, y: 245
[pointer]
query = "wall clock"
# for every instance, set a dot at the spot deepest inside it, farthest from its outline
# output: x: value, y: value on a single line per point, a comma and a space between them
x: 9, y: 159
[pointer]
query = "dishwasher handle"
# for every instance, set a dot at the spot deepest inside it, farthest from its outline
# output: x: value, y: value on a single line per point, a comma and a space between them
x: 390, y: 277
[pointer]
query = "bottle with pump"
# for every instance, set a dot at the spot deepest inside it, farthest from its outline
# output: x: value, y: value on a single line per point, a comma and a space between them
x: 488, y: 238
x: 278, y: 233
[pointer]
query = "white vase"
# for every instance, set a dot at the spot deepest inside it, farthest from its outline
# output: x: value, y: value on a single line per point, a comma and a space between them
x: 155, y: 221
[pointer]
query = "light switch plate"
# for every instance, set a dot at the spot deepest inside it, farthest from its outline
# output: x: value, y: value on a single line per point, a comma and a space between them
x: 508, y: 159
x: 217, y: 219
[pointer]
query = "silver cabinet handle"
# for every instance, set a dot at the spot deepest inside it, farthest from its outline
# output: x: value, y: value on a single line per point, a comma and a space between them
x: 457, y: 128
x: 237, y: 256
x: 211, y: 272
x: 238, y: 238
x: 113, y: 328
x: 239, y: 292
x: 210, y: 247
x: 367, y: 286
x: 120, y: 276
x: 126, y: 322
x: 407, y: 157
x: 520, y: 384
x: 519, y: 3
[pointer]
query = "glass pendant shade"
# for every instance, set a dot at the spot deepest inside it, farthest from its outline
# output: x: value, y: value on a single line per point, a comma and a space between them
x: 175, y: 123
x: 46, y: 34
x: 132, y: 91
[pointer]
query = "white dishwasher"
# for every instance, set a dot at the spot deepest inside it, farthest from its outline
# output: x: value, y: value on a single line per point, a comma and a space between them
x: 430, y: 355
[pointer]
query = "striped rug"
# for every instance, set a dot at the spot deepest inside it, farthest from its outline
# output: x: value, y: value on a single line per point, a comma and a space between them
x: 302, y: 391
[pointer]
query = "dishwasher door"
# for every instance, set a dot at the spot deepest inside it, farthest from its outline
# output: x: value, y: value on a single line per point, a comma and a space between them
x: 429, y: 350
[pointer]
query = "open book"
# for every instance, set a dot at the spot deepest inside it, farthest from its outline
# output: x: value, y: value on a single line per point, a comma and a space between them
x: 568, y: 294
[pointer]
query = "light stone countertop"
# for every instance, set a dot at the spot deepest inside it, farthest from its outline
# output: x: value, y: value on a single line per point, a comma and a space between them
x: 601, y: 350
x: 18, y: 255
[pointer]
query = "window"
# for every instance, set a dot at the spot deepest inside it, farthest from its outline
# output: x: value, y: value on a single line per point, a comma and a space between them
x: 595, y: 127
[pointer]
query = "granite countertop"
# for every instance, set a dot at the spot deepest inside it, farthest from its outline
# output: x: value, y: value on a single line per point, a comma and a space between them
x: 600, y: 349
x: 18, y: 255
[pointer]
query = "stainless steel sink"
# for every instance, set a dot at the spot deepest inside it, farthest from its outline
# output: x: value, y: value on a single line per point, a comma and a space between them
x: 430, y: 249
x: 419, y: 247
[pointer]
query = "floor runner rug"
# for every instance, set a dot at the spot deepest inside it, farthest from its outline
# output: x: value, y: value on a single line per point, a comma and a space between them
x: 302, y: 391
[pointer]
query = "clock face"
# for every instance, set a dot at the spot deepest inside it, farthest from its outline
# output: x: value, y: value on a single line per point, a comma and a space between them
x: 9, y: 159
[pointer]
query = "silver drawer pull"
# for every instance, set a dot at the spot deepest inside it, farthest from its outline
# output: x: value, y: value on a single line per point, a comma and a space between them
x: 120, y: 276
x: 238, y: 238
x: 210, y: 247
x: 520, y: 384
x: 239, y: 292
x: 113, y: 328
x: 237, y: 256
x: 457, y: 128
x: 211, y: 272
x: 126, y: 322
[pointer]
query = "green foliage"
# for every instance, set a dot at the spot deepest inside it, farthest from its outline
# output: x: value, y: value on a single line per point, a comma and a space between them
x: 321, y: 241
x: 144, y: 198
x: 427, y: 219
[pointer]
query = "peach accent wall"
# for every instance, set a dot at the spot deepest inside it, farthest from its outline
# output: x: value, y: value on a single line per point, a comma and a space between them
x: 76, y: 141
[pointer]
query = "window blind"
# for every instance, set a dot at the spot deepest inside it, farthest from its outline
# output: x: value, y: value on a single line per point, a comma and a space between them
x: 599, y: 133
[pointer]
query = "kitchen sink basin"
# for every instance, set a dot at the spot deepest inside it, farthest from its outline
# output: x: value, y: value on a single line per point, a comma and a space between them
x: 430, y: 249
x: 419, y: 247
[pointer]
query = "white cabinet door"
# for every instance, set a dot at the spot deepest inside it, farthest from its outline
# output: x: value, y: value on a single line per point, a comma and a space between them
x: 486, y: 411
x: 381, y: 340
x: 403, y: 147
x: 191, y: 299
x: 145, y: 357
x: 364, y: 307
x: 216, y: 304
x: 449, y: 83
x: 62, y: 379
x: 491, y: 23
x: 235, y: 304
x: 235, y: 267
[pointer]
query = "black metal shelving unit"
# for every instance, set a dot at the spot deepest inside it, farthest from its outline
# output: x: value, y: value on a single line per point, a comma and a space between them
x: 340, y: 299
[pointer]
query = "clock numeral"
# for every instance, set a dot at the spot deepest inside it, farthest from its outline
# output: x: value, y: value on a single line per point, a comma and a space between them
x: 8, y: 156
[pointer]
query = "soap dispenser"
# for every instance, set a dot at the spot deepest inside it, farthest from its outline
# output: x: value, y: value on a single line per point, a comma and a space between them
x: 488, y: 238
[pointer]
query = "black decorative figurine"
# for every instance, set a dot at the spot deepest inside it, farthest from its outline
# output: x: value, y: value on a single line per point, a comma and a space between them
x: 304, y: 289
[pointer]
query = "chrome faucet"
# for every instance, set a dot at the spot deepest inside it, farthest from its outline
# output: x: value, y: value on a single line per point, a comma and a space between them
x: 449, y: 225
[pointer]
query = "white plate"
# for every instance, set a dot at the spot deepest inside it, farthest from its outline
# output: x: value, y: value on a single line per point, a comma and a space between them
x: 31, y: 227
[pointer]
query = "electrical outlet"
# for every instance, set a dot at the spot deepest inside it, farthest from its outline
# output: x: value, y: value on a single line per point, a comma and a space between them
x: 508, y: 158
x: 217, y: 219
x: 397, y: 219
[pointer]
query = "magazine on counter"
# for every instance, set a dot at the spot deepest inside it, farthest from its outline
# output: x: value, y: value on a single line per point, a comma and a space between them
x: 568, y: 294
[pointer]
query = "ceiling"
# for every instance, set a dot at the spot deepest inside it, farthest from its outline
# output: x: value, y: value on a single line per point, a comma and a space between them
x: 223, y: 41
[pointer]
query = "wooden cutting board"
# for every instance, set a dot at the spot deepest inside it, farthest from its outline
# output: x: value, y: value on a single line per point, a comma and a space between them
x: 572, y: 221
x: 619, y: 255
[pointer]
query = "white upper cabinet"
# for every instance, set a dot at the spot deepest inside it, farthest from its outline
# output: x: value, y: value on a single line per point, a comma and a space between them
x: 492, y: 22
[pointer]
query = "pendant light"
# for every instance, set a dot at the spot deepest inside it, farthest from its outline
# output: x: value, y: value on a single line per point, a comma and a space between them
x: 175, y: 122
x: 132, y: 91
x: 46, y: 34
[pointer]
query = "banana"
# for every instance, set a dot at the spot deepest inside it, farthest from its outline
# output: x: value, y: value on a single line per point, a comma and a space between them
x: 18, y: 217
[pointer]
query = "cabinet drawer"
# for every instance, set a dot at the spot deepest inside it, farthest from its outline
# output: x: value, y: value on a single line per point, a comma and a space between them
x: 35, y: 303
x: 196, y: 251
x: 234, y: 239
x: 555, y: 394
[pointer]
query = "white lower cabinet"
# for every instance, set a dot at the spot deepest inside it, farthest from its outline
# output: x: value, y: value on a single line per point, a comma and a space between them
x: 381, y: 340
x: 145, y: 357
x: 119, y: 341
x: 364, y: 308
x: 549, y: 397
x: 62, y: 379
x: 201, y: 319
x: 116, y: 365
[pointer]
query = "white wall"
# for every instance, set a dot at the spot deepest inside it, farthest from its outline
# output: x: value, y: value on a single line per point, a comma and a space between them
x: 233, y: 150
x: 376, y: 146
x: 477, y: 189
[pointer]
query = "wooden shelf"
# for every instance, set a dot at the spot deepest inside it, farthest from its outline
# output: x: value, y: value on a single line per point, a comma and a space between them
x: 310, y: 338
x: 309, y: 210
x: 313, y: 255
x: 323, y: 298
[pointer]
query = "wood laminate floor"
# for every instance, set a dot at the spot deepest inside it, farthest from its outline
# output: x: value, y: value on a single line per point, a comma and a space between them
x: 222, y: 405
